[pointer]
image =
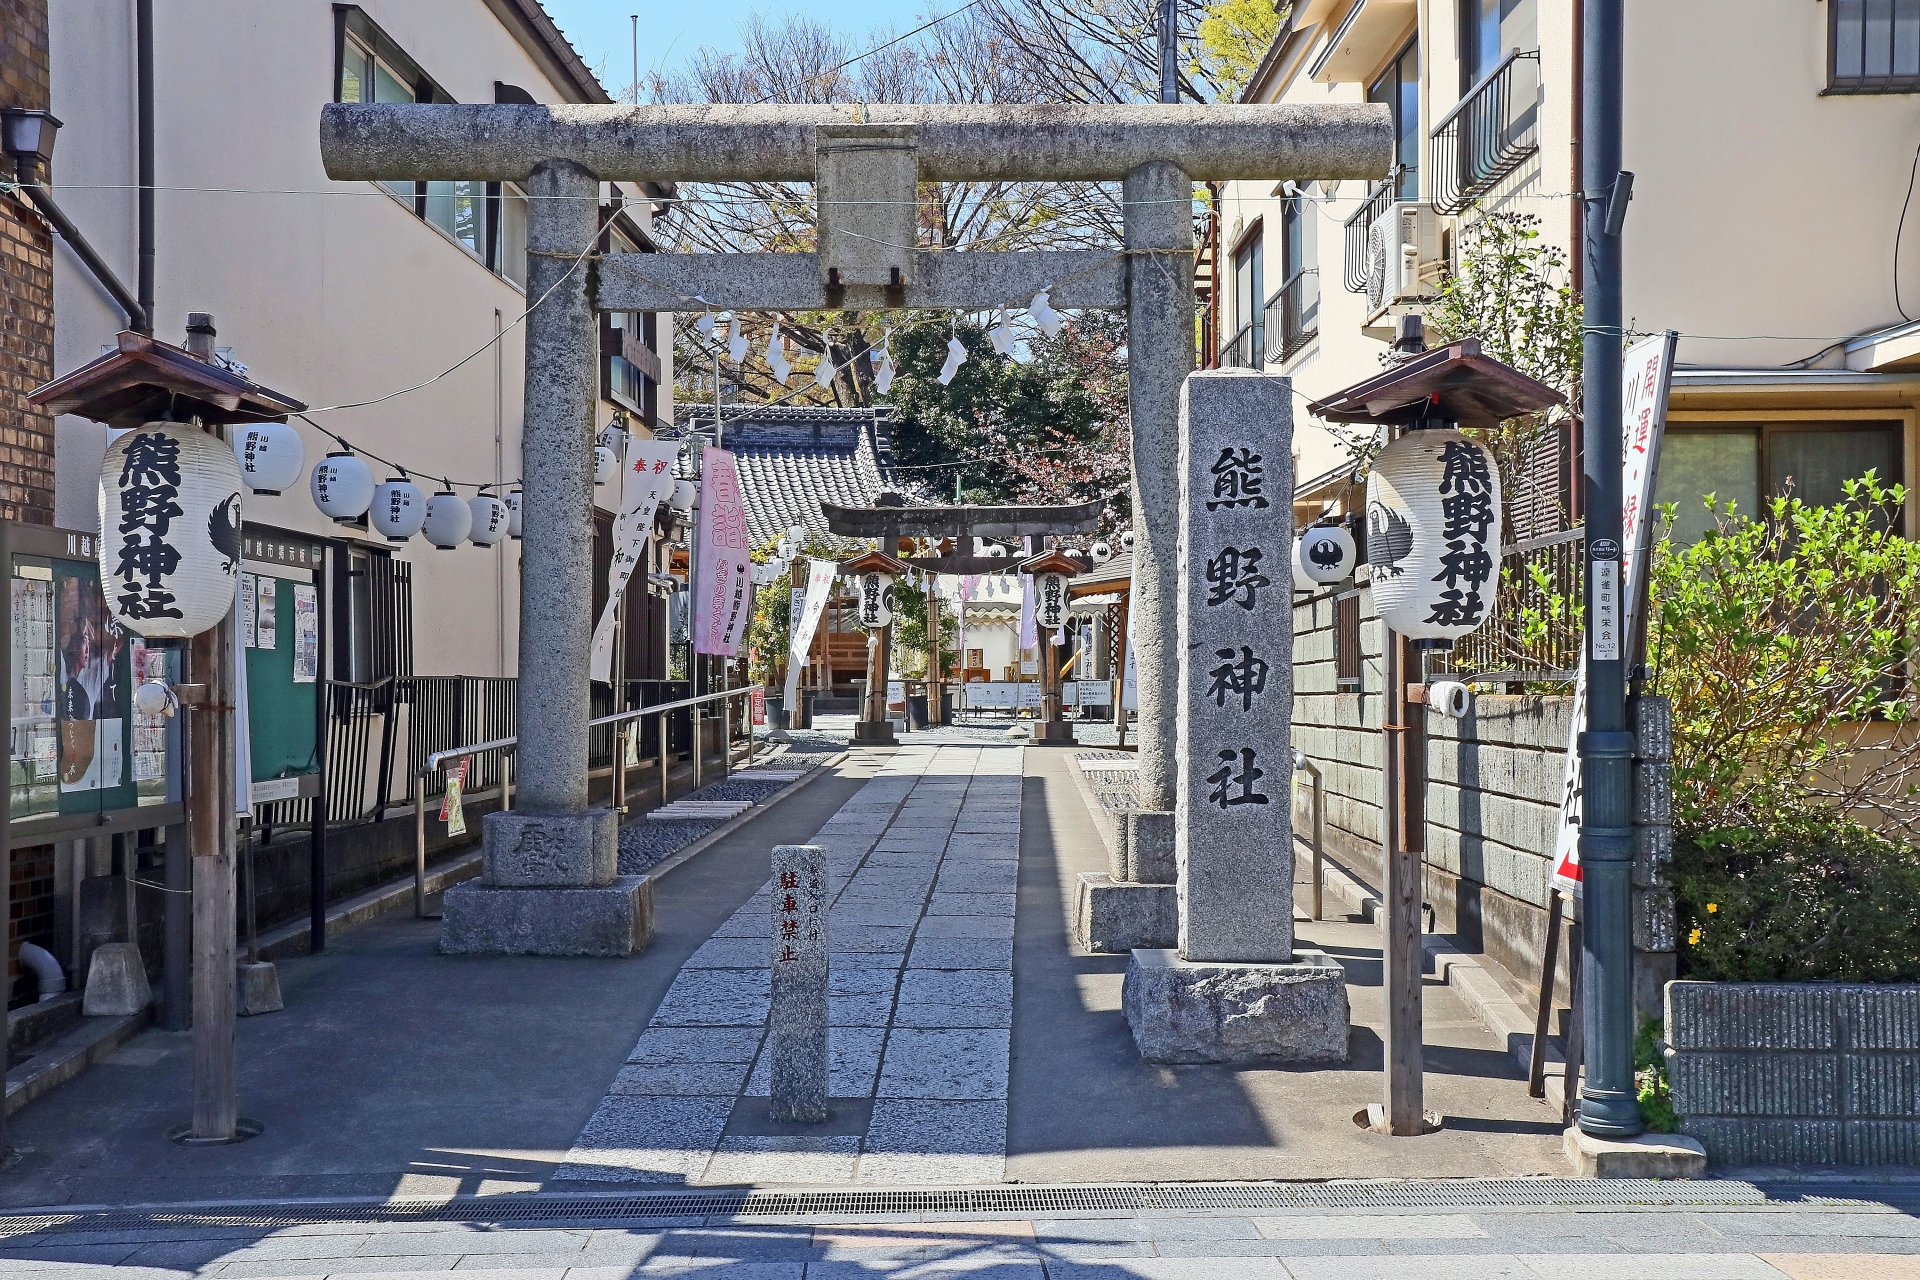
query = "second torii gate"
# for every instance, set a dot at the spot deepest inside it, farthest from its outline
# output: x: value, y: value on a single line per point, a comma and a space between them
x: 550, y: 885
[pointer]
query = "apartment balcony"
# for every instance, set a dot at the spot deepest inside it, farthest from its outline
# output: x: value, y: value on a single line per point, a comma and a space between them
x: 1243, y: 349
x: 1293, y: 316
x: 1379, y: 202
x: 1493, y: 130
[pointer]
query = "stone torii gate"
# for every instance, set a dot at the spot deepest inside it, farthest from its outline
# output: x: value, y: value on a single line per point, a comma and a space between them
x: 550, y: 885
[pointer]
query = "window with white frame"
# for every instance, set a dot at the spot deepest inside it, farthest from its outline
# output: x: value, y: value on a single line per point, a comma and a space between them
x: 488, y: 220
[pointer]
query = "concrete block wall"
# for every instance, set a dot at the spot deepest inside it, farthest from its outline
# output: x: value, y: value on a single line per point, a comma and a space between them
x: 1494, y: 782
x: 1797, y: 1073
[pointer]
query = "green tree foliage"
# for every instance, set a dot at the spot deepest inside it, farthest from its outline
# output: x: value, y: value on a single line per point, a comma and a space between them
x: 1785, y: 644
x: 1234, y: 35
x: 1052, y: 429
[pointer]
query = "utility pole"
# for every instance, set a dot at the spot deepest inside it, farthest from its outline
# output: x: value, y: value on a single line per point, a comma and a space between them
x: 1169, y: 50
x: 1608, y: 1106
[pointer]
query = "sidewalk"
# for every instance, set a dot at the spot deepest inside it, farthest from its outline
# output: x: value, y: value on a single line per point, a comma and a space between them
x: 1732, y: 1232
x: 395, y: 1071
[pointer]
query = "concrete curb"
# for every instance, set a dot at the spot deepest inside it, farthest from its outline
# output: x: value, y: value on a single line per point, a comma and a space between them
x: 71, y: 1053
x: 681, y: 856
x: 290, y: 940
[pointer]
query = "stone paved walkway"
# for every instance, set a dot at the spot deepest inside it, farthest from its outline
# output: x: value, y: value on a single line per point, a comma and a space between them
x: 922, y: 862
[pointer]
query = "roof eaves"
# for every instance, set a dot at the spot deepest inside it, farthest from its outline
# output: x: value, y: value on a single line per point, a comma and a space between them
x: 536, y: 32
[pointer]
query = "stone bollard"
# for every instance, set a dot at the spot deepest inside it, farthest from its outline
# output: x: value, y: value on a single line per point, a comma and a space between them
x: 797, y: 1021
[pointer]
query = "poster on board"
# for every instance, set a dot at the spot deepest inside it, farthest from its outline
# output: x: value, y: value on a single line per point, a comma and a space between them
x: 90, y: 696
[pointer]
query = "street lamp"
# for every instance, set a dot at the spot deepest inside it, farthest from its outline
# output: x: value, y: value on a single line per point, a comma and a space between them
x: 27, y: 134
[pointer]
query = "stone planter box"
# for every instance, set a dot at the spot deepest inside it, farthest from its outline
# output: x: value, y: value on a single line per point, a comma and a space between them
x: 1797, y: 1073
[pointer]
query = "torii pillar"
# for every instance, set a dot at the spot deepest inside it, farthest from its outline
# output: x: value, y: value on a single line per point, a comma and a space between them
x: 549, y: 886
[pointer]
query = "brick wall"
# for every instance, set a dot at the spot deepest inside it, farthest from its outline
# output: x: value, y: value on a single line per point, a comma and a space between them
x: 26, y: 433
x: 26, y: 288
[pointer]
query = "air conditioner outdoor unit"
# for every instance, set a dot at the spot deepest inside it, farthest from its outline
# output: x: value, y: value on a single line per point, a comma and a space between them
x: 1403, y: 256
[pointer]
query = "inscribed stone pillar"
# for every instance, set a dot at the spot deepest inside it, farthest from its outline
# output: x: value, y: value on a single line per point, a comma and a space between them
x: 1233, y: 819
x: 1157, y: 203
x: 797, y: 1021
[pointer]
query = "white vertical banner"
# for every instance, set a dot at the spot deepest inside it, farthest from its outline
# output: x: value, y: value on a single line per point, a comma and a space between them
x: 646, y: 477
x: 802, y: 622
x: 1646, y: 377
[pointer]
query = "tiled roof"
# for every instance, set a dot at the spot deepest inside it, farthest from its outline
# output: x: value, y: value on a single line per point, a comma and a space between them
x: 792, y: 459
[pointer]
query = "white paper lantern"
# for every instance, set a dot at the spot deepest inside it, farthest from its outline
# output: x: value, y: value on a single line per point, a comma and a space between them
x: 686, y: 496
x: 1325, y: 553
x: 1433, y: 535
x: 1049, y: 599
x: 1102, y: 553
x: 996, y: 552
x: 876, y: 599
x: 490, y: 519
x: 271, y: 456
x: 342, y: 486
x: 1126, y: 540
x: 399, y: 509
x: 170, y: 529
x: 606, y: 464
x: 449, y: 519
x: 514, y: 515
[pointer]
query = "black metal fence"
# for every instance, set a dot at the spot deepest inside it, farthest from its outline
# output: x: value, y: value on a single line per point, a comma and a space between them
x: 1533, y: 634
x: 1495, y: 127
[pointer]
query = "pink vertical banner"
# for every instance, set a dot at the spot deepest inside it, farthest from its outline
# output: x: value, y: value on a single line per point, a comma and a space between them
x: 721, y: 563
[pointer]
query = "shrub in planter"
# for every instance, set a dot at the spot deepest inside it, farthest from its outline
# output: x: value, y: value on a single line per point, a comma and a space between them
x: 1810, y: 900
x: 1783, y: 643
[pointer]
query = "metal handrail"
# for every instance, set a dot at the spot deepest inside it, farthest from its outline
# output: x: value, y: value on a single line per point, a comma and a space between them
x: 619, y: 768
x: 1474, y: 145
x: 433, y: 761
x: 1231, y: 355
x: 1302, y: 764
x: 1382, y: 197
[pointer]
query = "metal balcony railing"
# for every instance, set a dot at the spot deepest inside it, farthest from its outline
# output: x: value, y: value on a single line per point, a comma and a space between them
x: 1293, y: 316
x: 1242, y: 350
x: 1380, y: 200
x: 1495, y: 127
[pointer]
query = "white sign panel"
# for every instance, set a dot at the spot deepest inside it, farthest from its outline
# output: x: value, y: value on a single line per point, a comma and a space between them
x: 802, y: 621
x: 1646, y: 376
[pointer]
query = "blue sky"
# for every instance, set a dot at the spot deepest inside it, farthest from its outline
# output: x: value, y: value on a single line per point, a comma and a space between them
x: 669, y: 33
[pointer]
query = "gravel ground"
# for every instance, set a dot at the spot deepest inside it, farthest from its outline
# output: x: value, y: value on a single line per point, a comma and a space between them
x: 645, y: 842
x: 1114, y: 787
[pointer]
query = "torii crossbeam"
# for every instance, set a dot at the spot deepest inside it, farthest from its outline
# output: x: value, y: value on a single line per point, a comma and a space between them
x: 866, y: 162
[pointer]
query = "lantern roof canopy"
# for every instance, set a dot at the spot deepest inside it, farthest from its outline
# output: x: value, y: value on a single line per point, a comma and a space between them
x: 1454, y: 383
x: 144, y: 379
x: 1053, y: 561
x: 874, y: 562
x: 893, y: 518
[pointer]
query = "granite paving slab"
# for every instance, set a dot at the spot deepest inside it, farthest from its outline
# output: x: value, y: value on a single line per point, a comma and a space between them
x: 919, y: 1002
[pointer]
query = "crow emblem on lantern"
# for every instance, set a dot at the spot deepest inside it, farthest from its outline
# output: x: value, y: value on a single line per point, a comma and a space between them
x: 170, y: 529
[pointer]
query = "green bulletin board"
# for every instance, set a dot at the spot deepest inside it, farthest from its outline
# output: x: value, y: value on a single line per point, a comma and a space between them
x: 280, y: 710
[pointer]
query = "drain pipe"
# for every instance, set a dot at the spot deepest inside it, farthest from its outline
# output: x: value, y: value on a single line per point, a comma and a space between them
x: 137, y: 315
x: 143, y: 43
x: 41, y: 964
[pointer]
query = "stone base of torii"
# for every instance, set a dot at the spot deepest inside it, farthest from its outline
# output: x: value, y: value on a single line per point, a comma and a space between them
x: 549, y: 886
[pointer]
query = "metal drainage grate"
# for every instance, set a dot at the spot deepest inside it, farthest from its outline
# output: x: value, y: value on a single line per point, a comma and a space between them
x: 1489, y: 1193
